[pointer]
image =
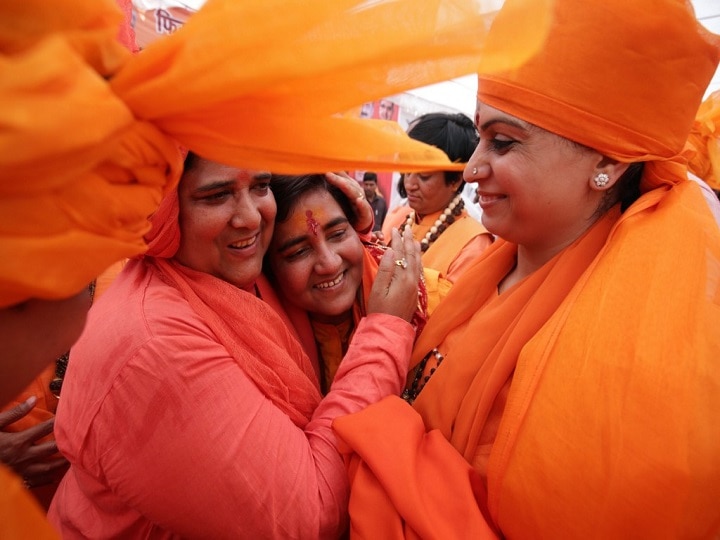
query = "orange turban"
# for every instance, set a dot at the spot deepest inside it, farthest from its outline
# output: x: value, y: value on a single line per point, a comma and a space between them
x: 89, y: 133
x: 703, y: 145
x: 629, y: 91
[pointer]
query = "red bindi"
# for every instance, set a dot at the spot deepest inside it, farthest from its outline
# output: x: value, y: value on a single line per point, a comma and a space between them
x: 312, y: 224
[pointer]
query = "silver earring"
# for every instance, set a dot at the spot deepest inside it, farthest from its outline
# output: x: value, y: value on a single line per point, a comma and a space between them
x: 474, y: 170
x: 601, y: 179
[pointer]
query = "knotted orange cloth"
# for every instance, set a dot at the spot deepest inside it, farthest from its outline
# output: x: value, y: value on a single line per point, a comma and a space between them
x: 89, y: 134
x: 581, y: 403
x: 703, y: 145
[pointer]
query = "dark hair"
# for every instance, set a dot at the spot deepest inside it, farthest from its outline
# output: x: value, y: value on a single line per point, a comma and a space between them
x: 191, y: 161
x: 370, y: 177
x: 454, y: 134
x: 289, y: 189
x: 625, y: 191
x: 401, y: 186
x: 627, y: 188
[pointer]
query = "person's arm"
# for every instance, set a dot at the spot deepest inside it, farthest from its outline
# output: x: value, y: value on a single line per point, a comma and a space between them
x: 187, y: 440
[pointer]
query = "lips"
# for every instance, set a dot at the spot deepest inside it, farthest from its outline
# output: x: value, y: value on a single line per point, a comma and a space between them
x: 242, y: 244
x: 331, y: 283
x: 488, y: 199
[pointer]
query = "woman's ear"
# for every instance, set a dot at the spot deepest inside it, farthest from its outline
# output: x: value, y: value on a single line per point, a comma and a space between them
x: 606, y: 174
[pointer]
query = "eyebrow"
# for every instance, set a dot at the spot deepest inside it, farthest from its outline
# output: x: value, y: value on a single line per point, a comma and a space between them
x: 213, y: 186
x: 508, y: 121
x: 225, y: 183
x: 299, y: 239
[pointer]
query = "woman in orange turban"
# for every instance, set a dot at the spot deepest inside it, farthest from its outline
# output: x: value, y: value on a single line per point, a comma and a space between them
x: 569, y: 385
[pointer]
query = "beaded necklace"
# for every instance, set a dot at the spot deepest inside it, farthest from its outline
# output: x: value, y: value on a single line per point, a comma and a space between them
x: 411, y: 393
x: 447, y: 218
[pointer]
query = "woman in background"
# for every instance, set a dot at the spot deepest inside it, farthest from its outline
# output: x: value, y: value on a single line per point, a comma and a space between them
x: 450, y: 239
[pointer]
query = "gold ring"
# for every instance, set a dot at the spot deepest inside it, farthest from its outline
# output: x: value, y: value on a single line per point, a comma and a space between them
x: 401, y: 262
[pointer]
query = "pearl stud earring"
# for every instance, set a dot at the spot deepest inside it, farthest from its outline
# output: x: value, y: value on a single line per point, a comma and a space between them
x: 601, y: 179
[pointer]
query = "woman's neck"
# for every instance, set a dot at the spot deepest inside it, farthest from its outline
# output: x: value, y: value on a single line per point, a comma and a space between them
x: 331, y: 319
x: 531, y: 258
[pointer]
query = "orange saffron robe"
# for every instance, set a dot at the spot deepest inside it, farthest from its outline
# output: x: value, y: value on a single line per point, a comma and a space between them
x: 20, y: 514
x: 454, y: 251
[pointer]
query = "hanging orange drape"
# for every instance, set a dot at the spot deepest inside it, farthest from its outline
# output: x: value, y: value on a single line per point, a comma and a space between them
x: 89, y: 133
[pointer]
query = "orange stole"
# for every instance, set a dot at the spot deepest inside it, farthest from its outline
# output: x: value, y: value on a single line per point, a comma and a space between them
x: 443, y: 252
x: 20, y: 515
x: 331, y: 345
x: 393, y: 220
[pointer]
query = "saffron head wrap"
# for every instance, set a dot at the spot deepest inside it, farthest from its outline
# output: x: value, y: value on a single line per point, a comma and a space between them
x: 624, y: 78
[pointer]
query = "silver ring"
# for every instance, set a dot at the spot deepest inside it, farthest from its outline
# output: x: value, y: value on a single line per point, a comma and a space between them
x: 401, y: 262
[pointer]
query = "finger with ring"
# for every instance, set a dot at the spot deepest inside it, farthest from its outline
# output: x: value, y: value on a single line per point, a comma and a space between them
x: 401, y: 262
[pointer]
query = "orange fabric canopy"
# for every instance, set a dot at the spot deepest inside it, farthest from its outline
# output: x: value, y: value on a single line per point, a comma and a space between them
x: 703, y: 146
x: 89, y: 134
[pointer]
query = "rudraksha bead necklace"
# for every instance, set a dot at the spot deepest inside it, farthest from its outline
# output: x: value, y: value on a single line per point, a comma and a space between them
x: 447, y: 218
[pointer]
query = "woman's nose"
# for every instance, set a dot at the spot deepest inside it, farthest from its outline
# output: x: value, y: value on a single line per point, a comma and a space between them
x: 246, y: 214
x: 477, y: 167
x: 410, y: 181
x: 328, y: 261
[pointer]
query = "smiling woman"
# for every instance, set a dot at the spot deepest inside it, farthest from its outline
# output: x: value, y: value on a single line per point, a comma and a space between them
x: 322, y: 267
x: 213, y: 195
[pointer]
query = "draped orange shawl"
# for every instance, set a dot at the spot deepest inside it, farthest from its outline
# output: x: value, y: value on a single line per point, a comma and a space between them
x: 610, y: 420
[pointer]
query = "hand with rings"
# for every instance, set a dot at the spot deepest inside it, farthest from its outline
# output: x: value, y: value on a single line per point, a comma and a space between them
x: 354, y: 191
x: 396, y: 286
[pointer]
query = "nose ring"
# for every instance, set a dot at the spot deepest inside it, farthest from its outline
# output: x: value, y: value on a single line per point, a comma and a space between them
x: 474, y: 170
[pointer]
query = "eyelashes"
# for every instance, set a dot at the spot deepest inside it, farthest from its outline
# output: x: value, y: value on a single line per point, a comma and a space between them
x: 501, y: 145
